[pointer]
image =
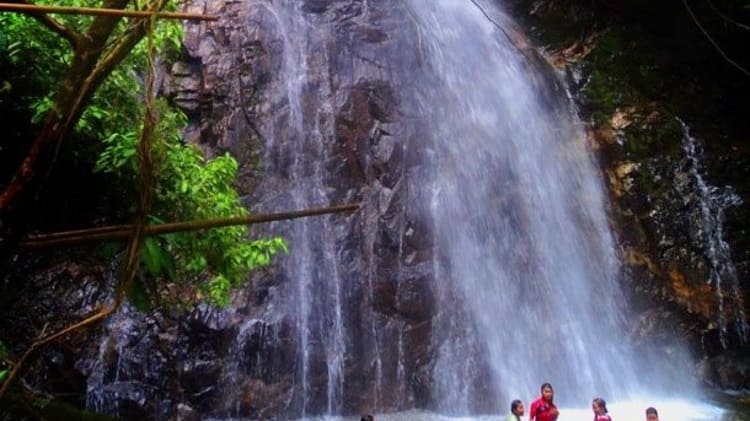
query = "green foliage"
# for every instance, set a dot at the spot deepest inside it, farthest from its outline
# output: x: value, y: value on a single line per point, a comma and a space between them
x: 40, y: 58
x: 605, y: 88
x: 3, y: 356
x: 187, y: 187
x: 32, y: 61
x: 157, y: 260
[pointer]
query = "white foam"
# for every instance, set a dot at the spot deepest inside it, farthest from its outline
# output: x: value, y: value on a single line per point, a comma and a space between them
x: 634, y: 410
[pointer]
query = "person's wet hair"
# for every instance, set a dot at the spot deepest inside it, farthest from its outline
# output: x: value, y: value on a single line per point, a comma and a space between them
x: 546, y: 385
x: 514, y: 405
x: 651, y: 411
x: 367, y: 417
x: 601, y: 404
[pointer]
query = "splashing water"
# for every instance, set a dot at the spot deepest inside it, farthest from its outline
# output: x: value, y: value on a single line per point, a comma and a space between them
x: 526, y: 266
x: 673, y: 410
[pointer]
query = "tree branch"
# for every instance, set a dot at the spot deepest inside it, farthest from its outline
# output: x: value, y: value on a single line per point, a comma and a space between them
x: 120, y: 49
x: 124, y: 231
x: 24, y: 6
x: 145, y: 174
x: 714, y: 43
x: 726, y: 17
x: 77, y: 87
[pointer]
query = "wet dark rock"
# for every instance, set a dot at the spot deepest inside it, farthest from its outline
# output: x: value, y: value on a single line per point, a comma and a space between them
x: 242, y: 98
x: 260, y: 400
x: 44, y: 294
x: 726, y: 371
x: 199, y: 380
x: 413, y: 303
x: 268, y: 351
x: 183, y: 87
x: 316, y: 6
x: 359, y: 128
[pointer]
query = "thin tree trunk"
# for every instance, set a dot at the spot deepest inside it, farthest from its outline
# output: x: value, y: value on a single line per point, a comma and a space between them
x: 92, y: 63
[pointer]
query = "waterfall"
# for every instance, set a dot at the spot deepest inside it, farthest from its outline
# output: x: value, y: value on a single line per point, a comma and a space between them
x: 709, y: 205
x: 523, y: 267
x: 297, y: 154
x: 526, y: 265
x: 480, y: 265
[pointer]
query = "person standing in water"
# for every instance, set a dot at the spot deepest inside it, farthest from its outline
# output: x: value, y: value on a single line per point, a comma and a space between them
x: 600, y: 410
x: 652, y: 414
x: 516, y: 411
x: 544, y: 409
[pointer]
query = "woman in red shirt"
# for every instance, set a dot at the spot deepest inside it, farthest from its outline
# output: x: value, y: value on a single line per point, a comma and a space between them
x: 544, y: 409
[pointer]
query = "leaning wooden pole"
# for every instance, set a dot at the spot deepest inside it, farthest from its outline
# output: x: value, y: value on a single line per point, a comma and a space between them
x: 65, y: 10
x: 120, y: 232
x: 99, y: 315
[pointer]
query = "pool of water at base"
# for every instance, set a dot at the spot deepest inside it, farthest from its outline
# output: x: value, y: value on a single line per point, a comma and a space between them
x: 669, y: 410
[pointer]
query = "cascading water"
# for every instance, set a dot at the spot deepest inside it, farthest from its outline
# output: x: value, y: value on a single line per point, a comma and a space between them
x: 481, y: 264
x: 526, y: 266
x: 709, y: 205
x: 297, y: 154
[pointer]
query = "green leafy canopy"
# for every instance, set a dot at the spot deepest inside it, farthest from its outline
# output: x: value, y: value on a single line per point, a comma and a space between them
x: 188, y: 186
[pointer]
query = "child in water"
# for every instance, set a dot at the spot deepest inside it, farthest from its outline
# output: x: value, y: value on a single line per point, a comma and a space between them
x: 600, y: 410
x: 516, y: 411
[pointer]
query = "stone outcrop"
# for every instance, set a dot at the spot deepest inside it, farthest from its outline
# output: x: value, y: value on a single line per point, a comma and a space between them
x: 237, y: 84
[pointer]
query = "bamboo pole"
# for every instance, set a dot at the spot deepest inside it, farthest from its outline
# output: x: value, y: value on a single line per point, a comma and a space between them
x: 106, y: 311
x: 119, y: 232
x: 35, y: 8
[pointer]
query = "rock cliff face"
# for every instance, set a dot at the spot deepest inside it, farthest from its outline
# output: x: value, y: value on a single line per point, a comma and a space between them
x: 667, y: 116
x: 311, y: 99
